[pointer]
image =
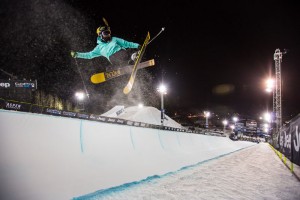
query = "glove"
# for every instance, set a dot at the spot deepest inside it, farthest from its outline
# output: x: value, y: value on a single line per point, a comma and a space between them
x: 73, y: 54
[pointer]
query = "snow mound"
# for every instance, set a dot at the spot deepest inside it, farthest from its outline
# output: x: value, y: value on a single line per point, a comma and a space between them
x: 144, y: 114
x: 114, y: 112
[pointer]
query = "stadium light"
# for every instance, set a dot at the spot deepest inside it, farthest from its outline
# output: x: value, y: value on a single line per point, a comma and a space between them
x: 232, y: 127
x: 270, y: 83
x: 267, y: 117
x: 206, y: 114
x: 266, y: 127
x: 162, y: 90
x: 225, y: 122
x: 80, y: 97
x: 235, y: 119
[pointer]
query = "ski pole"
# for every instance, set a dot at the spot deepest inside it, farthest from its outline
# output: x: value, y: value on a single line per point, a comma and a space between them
x: 86, y: 92
x: 162, y: 29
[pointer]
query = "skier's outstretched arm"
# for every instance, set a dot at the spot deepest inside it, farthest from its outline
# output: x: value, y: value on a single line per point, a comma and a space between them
x: 126, y: 44
x: 86, y: 55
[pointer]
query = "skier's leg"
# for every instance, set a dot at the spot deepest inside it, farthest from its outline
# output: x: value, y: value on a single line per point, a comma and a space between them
x: 120, y: 58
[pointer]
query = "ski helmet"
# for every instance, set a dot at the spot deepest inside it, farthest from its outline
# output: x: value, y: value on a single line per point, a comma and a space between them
x: 104, y: 33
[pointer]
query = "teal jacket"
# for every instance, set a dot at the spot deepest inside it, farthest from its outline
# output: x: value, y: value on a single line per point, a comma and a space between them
x: 107, y: 49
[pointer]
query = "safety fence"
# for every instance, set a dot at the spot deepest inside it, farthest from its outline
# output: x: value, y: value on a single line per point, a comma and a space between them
x: 295, y: 169
x: 289, y: 140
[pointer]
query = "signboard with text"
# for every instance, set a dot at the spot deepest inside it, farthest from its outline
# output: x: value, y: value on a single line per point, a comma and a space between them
x: 10, y: 84
x: 289, y: 140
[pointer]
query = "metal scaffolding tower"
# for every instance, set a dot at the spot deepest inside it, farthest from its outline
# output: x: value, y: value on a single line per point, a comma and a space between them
x: 277, y: 92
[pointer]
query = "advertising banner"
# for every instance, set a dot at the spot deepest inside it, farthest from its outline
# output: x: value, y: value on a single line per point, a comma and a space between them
x: 5, y: 84
x: 36, y: 109
x: 18, y: 106
x: 289, y: 140
x: 83, y: 116
x: 51, y: 111
x: 69, y: 114
x: 9, y: 84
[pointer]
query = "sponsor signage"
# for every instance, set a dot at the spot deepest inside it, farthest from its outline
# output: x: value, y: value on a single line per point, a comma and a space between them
x: 68, y: 114
x: 111, y: 120
x: 83, y: 116
x: 9, y: 84
x: 18, y: 106
x: 52, y: 111
x: 289, y: 140
x: 14, y: 105
x: 120, y: 121
x: 102, y: 119
x: 4, y: 84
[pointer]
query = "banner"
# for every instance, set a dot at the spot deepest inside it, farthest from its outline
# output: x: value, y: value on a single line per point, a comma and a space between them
x: 69, y: 114
x: 34, y: 108
x: 9, y: 84
x: 83, y: 116
x: 51, y: 111
x: 289, y: 140
x: 18, y: 106
x: 5, y: 84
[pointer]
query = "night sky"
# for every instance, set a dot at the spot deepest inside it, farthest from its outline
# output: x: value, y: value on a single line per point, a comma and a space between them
x: 212, y: 56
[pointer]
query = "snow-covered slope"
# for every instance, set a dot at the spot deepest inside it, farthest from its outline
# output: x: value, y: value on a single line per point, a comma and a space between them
x: 51, y: 157
x: 144, y: 114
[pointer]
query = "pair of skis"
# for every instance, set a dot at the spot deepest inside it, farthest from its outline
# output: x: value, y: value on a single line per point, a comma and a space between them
x: 129, y: 85
x: 102, y: 77
x: 105, y: 76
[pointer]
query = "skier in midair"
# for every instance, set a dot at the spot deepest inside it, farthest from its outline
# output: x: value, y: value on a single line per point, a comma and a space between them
x: 114, y: 49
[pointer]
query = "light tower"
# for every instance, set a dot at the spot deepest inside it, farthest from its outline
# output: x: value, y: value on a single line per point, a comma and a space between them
x: 162, y: 90
x: 277, y: 92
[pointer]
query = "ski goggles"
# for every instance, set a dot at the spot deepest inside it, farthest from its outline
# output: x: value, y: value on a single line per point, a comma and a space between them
x: 105, y: 32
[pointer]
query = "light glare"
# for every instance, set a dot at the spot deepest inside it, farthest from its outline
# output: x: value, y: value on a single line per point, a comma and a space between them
x: 206, y: 113
x: 79, y: 95
x: 162, y: 89
x: 141, y: 105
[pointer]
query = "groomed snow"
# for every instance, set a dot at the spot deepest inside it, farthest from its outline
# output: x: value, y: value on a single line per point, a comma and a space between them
x: 252, y: 173
x: 49, y: 157
x: 144, y: 114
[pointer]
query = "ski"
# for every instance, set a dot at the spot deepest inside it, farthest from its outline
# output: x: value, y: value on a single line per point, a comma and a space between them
x: 105, y: 76
x: 129, y: 85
